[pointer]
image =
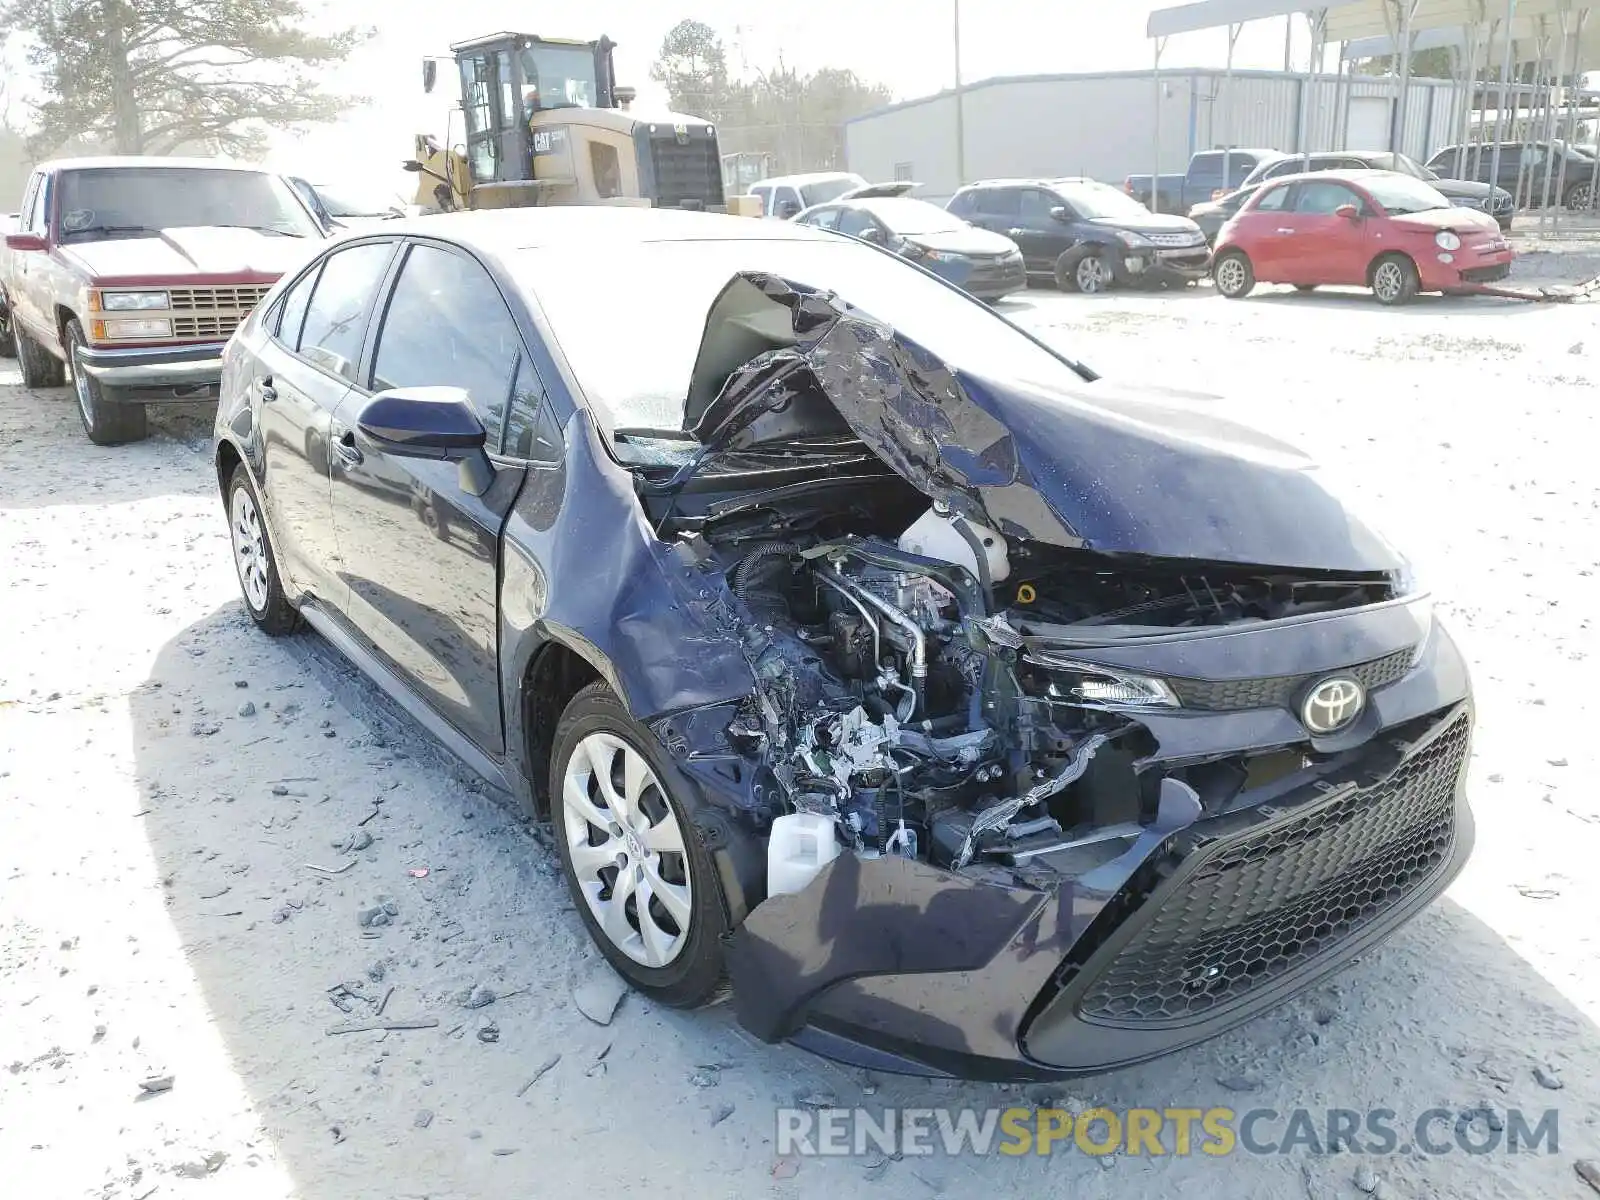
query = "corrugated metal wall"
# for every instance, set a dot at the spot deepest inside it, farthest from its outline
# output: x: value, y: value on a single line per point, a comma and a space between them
x: 1104, y: 126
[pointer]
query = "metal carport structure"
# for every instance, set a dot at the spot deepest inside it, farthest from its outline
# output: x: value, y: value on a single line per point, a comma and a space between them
x: 1560, y: 36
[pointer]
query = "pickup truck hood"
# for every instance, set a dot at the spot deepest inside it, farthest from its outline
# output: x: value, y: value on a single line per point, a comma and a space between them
x: 185, y: 255
x: 1096, y: 466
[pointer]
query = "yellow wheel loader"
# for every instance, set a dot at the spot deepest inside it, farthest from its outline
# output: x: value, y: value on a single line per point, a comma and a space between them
x: 547, y: 124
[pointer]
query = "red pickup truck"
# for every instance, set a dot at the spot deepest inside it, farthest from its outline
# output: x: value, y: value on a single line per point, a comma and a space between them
x: 125, y: 277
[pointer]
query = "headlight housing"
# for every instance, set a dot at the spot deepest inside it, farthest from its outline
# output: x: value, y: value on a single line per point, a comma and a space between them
x: 134, y: 301
x: 1446, y: 240
x: 1093, y: 686
x: 147, y: 328
x: 1133, y: 241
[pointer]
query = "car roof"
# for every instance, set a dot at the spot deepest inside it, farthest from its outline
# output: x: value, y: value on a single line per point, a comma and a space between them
x: 501, y: 231
x: 112, y: 161
x: 802, y: 180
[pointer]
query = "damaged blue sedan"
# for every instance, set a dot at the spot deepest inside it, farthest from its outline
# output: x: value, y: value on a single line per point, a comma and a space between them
x: 971, y: 714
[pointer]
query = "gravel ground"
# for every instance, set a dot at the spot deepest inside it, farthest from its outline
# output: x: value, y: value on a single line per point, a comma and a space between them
x: 185, y: 810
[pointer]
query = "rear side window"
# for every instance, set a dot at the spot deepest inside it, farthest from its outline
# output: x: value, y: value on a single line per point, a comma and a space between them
x: 1000, y: 202
x: 447, y: 326
x: 291, y: 314
x: 1275, y: 200
x: 336, y: 319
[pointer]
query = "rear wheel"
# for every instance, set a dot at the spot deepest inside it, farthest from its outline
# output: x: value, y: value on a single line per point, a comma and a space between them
x: 40, y: 368
x: 1394, y: 280
x: 106, y: 421
x: 1234, y: 276
x: 254, y: 560
x: 643, y: 882
x: 1579, y: 198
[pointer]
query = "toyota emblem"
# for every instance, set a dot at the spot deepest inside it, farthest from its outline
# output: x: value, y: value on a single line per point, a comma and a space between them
x: 1332, y: 705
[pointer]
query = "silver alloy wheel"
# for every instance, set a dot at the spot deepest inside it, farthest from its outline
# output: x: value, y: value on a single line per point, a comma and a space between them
x: 1230, y: 276
x: 1578, y: 200
x: 623, y: 840
x: 249, y: 549
x: 1388, y: 280
x: 1093, y: 275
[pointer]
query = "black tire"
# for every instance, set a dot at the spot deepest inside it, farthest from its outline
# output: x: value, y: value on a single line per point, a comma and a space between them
x: 1072, y: 275
x: 8, y: 337
x: 272, y: 612
x: 107, y: 422
x: 1233, y: 275
x: 40, y: 368
x: 1579, y: 197
x: 1305, y: 287
x: 1402, y: 272
x: 695, y: 974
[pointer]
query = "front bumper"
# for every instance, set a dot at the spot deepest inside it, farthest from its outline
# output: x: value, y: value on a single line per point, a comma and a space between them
x: 151, y: 374
x: 988, y: 278
x: 1469, y: 267
x: 1162, y: 265
x: 903, y: 967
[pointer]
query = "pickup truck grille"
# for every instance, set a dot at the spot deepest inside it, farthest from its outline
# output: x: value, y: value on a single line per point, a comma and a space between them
x: 211, y: 327
x: 242, y: 299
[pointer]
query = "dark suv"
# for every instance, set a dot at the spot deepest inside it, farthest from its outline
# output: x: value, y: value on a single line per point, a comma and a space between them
x: 1524, y: 169
x: 1086, y: 235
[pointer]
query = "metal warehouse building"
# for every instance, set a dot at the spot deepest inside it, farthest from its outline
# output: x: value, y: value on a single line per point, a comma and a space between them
x: 1104, y: 125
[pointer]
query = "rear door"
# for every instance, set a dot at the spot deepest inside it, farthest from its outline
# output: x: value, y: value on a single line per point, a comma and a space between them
x: 303, y: 371
x: 999, y: 210
x: 420, y: 553
x: 1324, y: 248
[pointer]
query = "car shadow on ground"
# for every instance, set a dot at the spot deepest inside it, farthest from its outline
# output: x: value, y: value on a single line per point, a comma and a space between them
x: 34, y: 429
x: 1429, y: 304
x: 241, y: 814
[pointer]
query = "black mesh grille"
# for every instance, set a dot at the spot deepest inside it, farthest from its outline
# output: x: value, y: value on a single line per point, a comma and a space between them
x: 1262, y: 905
x: 1279, y: 691
x: 686, y: 171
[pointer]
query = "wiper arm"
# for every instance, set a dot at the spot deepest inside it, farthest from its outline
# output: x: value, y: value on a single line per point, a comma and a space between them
x: 261, y: 229
x: 106, y: 229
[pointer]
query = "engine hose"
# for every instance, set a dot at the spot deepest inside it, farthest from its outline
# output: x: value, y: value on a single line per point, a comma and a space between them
x: 981, y: 554
x: 742, y: 573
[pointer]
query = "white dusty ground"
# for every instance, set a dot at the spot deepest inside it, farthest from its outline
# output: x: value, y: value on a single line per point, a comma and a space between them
x: 158, y: 916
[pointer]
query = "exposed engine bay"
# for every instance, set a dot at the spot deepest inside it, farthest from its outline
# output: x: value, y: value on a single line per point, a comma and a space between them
x: 921, y: 695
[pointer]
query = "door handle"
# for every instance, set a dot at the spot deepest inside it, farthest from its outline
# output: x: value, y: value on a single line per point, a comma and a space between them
x: 347, y: 450
x: 268, y: 392
x: 1285, y: 231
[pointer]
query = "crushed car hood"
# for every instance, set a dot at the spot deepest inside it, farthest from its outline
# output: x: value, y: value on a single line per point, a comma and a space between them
x: 1100, y: 467
x: 178, y: 254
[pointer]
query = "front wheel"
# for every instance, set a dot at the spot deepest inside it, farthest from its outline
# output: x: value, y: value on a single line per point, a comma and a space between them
x: 643, y: 882
x: 107, y: 422
x: 254, y: 560
x: 1394, y: 280
x: 1093, y: 275
x: 1234, y: 276
x: 8, y: 339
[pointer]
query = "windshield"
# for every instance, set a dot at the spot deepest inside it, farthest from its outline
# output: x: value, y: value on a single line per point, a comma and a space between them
x: 133, y: 201
x: 558, y: 77
x: 648, y: 386
x: 830, y: 189
x: 1399, y: 194
x: 1093, y: 200
x: 912, y: 217
x: 353, y: 202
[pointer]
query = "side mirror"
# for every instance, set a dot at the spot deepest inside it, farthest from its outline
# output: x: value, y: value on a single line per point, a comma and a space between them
x: 430, y: 74
x: 1348, y: 211
x: 436, y: 423
x: 1060, y: 213
x: 26, y: 243
x: 871, y: 234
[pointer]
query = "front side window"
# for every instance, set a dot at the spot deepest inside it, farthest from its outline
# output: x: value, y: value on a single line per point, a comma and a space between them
x: 855, y: 222
x: 531, y: 432
x: 292, y: 310
x: 824, y: 218
x: 1275, y: 200
x: 447, y: 326
x: 336, y: 319
x: 130, y: 201
x: 1037, y: 207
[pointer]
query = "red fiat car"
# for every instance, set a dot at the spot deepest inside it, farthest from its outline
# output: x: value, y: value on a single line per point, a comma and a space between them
x: 1391, y: 233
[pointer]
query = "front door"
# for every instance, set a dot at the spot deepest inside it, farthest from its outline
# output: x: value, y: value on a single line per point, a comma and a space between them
x: 1325, y: 248
x: 420, y: 554
x: 1263, y: 231
x: 303, y: 372
x: 1043, y: 236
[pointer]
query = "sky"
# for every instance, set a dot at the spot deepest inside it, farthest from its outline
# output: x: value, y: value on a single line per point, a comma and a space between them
x: 905, y: 44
